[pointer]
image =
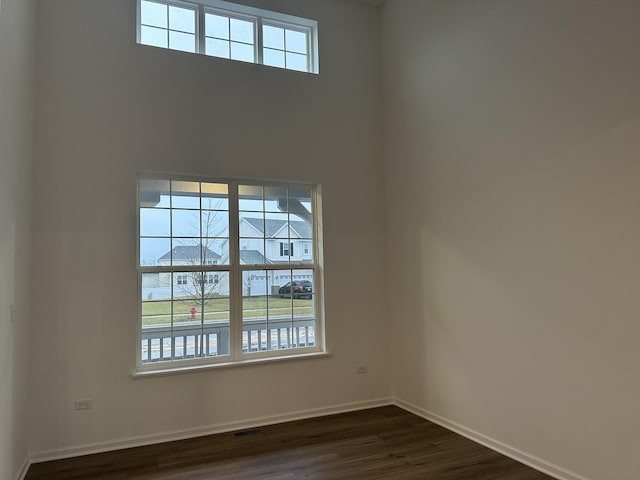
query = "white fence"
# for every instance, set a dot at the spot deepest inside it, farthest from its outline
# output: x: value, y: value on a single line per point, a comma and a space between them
x: 211, y: 339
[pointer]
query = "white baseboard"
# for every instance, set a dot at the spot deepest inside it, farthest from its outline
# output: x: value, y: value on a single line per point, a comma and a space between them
x: 79, y: 450
x: 23, y: 471
x: 534, y: 462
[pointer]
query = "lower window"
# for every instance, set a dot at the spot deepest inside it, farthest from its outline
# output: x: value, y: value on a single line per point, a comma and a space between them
x: 216, y: 284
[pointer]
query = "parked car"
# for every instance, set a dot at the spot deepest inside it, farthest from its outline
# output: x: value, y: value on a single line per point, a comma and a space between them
x: 301, y: 289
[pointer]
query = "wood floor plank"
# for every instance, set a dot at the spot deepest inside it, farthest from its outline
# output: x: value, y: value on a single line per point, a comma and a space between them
x: 384, y: 443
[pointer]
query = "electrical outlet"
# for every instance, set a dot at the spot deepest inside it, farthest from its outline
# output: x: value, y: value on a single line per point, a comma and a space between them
x: 361, y: 369
x: 82, y: 404
x: 12, y: 313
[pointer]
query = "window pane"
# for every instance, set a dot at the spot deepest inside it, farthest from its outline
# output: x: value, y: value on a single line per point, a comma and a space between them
x: 185, y: 251
x: 296, y: 41
x: 275, y: 199
x: 185, y: 223
x: 280, y: 305
x: 215, y: 196
x: 155, y: 37
x: 215, y: 251
x: 155, y: 288
x: 184, y: 42
x: 250, y: 198
x: 296, y: 61
x: 185, y: 194
x: 277, y: 225
x: 301, y: 226
x: 211, y: 251
x: 242, y: 31
x: 215, y: 223
x: 273, y: 37
x: 242, y: 52
x: 217, y: 48
x: 251, y: 224
x: 254, y: 310
x: 273, y: 58
x: 306, y: 251
x: 300, y: 200
x: 216, y: 26
x: 252, y: 251
x: 217, y: 301
x: 183, y: 19
x: 303, y: 307
x: 278, y: 250
x: 154, y: 222
x: 154, y: 193
x: 216, y: 315
x: 154, y: 14
x: 186, y: 296
x: 151, y: 249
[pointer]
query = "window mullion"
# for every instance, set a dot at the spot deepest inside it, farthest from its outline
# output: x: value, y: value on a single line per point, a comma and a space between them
x: 235, y: 274
x: 200, y: 31
x: 259, y: 41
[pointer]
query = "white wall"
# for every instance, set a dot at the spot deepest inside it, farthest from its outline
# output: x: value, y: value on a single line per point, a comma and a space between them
x: 512, y: 138
x: 17, y: 21
x: 109, y: 108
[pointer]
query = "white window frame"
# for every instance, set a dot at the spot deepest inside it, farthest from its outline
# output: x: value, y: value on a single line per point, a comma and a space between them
x: 258, y: 16
x: 202, y: 48
x: 308, y: 31
x: 235, y: 272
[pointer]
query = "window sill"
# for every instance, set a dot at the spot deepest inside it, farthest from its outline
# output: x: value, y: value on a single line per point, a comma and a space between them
x: 138, y: 374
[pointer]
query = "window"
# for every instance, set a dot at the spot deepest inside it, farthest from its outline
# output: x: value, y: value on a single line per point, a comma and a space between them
x: 216, y: 271
x: 229, y: 37
x: 168, y: 25
x: 285, y: 47
x: 286, y: 249
x: 306, y: 248
x: 227, y: 30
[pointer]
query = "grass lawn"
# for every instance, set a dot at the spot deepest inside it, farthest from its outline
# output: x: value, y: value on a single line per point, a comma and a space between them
x: 159, y: 312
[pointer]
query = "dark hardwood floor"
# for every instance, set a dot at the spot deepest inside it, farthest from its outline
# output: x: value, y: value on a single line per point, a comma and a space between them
x: 381, y: 443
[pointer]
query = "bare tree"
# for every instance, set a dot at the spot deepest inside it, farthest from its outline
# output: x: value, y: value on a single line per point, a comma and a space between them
x: 201, y: 287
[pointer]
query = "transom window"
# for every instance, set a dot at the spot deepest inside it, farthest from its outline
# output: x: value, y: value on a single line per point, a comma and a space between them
x: 227, y: 30
x: 219, y: 275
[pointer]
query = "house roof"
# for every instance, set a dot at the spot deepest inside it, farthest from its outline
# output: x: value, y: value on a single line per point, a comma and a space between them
x: 252, y: 257
x: 274, y: 226
x: 189, y: 252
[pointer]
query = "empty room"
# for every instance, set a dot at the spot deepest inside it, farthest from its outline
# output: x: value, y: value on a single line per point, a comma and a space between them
x: 319, y: 239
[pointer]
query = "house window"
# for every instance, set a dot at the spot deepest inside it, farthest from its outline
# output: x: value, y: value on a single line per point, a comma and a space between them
x: 207, y: 278
x: 229, y: 37
x: 227, y: 30
x: 286, y: 249
x: 168, y: 25
x: 285, y: 47
x: 306, y: 248
x: 213, y: 289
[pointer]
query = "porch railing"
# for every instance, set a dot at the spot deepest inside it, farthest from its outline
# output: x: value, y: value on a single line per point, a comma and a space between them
x: 195, y: 340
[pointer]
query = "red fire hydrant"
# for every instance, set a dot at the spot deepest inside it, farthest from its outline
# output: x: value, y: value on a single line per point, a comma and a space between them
x: 193, y: 312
